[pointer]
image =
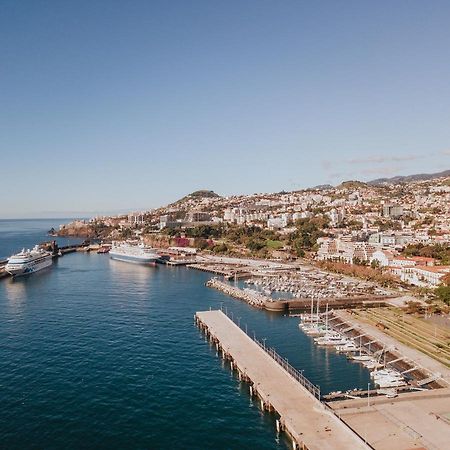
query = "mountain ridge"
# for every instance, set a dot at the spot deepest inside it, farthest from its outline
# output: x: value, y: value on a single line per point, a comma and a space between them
x: 407, y: 178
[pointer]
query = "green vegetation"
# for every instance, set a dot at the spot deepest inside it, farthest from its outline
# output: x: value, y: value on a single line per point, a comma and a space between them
x: 441, y: 252
x: 126, y: 233
x: 202, y: 244
x: 197, y: 195
x: 276, y: 245
x: 220, y: 248
x: 388, y: 224
x: 304, y: 238
x: 352, y: 184
x: 205, y: 231
x: 443, y: 293
x: 359, y: 271
x: 257, y: 241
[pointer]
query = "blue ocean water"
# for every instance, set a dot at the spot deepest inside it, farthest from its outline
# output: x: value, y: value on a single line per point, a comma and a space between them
x: 25, y: 233
x: 96, y: 353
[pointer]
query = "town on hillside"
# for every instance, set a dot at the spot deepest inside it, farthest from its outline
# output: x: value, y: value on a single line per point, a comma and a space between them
x: 394, y: 232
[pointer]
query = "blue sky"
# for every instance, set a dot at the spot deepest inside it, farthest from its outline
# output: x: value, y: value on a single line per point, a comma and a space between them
x: 112, y: 105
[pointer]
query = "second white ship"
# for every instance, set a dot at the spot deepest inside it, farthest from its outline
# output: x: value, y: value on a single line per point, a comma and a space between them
x: 133, y: 253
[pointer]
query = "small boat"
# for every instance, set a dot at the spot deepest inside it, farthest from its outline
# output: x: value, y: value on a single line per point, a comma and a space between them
x: 360, y: 357
x: 349, y: 347
x: 331, y: 339
x: 390, y: 382
x: 373, y: 364
x: 385, y: 373
x: 315, y: 330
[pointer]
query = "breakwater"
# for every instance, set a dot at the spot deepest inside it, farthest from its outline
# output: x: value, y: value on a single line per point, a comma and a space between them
x: 258, y: 300
x: 251, y: 297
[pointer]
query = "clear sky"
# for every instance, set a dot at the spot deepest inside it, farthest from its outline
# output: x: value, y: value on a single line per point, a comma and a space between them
x: 121, y: 105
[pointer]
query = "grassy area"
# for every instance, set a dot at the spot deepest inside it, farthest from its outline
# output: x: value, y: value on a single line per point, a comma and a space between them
x: 415, y: 332
x: 275, y: 245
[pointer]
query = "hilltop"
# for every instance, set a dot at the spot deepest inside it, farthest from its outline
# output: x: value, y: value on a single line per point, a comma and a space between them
x: 352, y: 184
x: 197, y: 195
x: 408, y: 178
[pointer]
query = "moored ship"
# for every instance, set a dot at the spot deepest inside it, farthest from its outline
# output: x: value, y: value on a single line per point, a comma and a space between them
x: 134, y: 253
x: 28, y: 261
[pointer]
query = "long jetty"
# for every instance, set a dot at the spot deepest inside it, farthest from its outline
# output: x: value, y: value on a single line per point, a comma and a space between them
x: 280, y: 387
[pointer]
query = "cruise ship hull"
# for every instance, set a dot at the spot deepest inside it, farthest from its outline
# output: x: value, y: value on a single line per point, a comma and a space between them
x: 17, y: 270
x: 133, y: 259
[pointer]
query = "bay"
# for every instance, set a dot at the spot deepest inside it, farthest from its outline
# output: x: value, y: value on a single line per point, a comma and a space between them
x: 96, y: 353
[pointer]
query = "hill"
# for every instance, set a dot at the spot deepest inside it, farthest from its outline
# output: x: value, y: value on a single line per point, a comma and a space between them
x: 352, y: 184
x: 197, y: 195
x: 408, y: 178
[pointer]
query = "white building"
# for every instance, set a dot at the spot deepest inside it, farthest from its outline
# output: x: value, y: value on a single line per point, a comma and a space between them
x: 423, y: 276
x: 344, y: 251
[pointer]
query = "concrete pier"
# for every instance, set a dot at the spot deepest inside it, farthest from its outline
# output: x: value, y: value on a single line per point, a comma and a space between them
x: 279, y: 387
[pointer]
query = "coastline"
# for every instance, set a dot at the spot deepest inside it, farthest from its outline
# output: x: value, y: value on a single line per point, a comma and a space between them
x: 352, y: 416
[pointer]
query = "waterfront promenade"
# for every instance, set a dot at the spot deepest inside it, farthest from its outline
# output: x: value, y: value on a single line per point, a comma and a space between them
x: 302, y: 415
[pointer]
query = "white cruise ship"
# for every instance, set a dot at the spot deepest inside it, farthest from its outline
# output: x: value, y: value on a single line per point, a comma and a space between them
x: 28, y: 261
x: 134, y: 253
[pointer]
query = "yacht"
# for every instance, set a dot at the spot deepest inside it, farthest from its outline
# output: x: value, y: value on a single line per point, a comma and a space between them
x: 349, y: 347
x: 133, y: 253
x: 389, y: 379
x: 28, y: 261
x: 373, y: 364
x: 331, y: 339
x: 315, y: 330
x: 377, y: 374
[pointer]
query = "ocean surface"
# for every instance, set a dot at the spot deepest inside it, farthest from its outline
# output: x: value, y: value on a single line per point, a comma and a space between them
x: 96, y: 353
x: 18, y: 234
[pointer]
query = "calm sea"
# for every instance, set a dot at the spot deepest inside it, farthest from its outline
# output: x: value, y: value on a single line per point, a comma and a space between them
x: 96, y: 353
x: 18, y: 234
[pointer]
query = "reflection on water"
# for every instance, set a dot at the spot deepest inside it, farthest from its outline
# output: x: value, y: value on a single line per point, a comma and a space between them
x: 128, y: 272
x: 15, y: 292
x: 18, y: 289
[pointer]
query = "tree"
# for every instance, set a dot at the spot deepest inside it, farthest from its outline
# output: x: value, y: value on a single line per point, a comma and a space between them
x: 443, y: 293
x: 201, y: 243
x: 220, y: 248
x: 255, y: 244
x: 306, y: 235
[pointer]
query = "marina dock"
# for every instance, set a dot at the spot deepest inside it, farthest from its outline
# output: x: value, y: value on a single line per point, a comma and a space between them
x: 280, y: 388
x: 259, y: 300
